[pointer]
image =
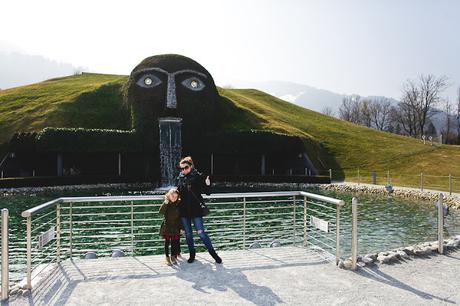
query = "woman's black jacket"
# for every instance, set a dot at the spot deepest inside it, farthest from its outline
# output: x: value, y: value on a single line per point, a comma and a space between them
x: 190, y: 187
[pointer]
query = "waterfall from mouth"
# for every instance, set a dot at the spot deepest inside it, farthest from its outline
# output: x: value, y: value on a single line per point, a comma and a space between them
x: 170, y: 149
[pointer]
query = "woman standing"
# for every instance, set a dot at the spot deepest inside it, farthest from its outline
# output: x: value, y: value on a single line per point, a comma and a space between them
x: 191, y: 185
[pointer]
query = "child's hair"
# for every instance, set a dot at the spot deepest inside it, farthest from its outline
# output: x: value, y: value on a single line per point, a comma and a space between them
x: 187, y: 160
x: 168, y: 194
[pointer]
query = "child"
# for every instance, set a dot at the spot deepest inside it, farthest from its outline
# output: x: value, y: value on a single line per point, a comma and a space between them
x: 171, y: 225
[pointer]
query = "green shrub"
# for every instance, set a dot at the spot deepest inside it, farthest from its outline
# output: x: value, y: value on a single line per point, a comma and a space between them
x: 253, y: 141
x: 87, y: 140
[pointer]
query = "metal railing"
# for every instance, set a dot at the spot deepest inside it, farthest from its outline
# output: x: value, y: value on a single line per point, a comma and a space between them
x: 72, y: 226
x: 354, y: 233
x: 5, y: 279
x: 447, y: 182
x: 441, y: 212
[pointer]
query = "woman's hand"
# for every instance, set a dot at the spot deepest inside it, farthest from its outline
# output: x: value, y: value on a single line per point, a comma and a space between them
x: 207, y: 181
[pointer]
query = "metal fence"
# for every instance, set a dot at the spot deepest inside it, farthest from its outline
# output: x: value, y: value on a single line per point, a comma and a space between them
x: 71, y: 227
x: 5, y: 279
x: 448, y: 182
x: 439, y: 228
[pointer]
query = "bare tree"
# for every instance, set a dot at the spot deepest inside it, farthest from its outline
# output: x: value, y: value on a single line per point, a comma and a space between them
x: 431, y: 89
x: 364, y: 112
x: 328, y: 111
x: 349, y: 109
x: 407, y: 108
x: 418, y: 102
x: 380, y: 113
x: 372, y: 113
x: 447, y: 130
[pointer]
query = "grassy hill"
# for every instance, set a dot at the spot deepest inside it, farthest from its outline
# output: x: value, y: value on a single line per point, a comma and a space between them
x: 94, y: 101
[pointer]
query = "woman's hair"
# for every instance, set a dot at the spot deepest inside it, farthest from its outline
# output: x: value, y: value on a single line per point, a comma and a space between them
x: 187, y: 160
x: 168, y: 195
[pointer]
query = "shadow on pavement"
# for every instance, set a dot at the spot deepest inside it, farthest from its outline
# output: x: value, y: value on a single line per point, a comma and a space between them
x: 377, y: 275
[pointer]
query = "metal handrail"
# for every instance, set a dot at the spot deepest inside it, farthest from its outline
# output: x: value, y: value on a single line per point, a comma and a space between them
x: 5, y: 256
x: 38, y: 208
x: 64, y: 216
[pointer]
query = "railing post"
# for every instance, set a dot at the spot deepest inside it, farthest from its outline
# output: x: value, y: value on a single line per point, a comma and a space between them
x: 70, y: 230
x: 354, y: 233
x: 330, y: 175
x: 294, y: 227
x: 440, y: 224
x: 388, y: 177
x: 119, y: 164
x: 58, y: 232
x: 450, y: 184
x: 244, y: 223
x: 29, y: 252
x: 358, y: 177
x: 421, y: 181
x: 132, y: 228
x: 305, y: 221
x: 5, y: 256
x: 337, y: 235
x: 212, y: 163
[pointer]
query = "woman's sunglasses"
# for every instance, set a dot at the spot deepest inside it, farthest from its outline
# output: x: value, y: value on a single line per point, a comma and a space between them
x: 184, y: 168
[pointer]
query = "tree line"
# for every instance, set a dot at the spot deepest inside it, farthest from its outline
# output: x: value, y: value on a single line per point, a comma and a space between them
x: 412, y: 116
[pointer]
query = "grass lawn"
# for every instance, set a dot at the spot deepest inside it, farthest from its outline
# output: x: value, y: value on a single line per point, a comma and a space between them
x: 95, y: 101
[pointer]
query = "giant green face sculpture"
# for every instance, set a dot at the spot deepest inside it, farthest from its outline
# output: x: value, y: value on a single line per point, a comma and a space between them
x: 172, y: 86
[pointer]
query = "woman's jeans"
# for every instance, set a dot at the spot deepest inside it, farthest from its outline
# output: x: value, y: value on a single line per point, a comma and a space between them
x: 198, y: 222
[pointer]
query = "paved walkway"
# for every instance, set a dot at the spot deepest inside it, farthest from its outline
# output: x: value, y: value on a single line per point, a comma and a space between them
x: 286, y: 275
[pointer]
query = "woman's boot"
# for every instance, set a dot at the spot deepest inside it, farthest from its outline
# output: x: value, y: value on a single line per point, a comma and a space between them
x: 192, y: 256
x: 215, y: 256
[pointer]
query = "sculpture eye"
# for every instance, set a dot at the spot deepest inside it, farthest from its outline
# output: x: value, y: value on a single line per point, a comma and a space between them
x: 148, y: 81
x: 193, y: 83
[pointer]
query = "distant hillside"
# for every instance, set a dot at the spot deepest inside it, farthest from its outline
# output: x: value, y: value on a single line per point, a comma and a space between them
x: 18, y: 69
x: 300, y: 94
x: 94, y: 101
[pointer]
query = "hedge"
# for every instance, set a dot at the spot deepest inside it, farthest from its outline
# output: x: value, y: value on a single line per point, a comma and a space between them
x: 253, y: 141
x: 272, y: 179
x: 87, y: 140
x: 16, y: 182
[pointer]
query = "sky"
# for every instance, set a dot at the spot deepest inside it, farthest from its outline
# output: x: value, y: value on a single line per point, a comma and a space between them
x: 368, y: 47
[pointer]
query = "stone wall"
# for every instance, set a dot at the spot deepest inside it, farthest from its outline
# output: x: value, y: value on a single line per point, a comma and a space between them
x: 432, y: 196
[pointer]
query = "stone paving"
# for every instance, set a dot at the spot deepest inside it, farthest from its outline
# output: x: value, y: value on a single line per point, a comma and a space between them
x: 284, y: 275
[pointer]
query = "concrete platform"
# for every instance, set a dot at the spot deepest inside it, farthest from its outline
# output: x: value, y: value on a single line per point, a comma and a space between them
x: 286, y: 275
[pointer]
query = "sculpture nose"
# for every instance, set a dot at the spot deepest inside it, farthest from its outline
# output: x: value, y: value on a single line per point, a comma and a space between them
x: 171, y: 100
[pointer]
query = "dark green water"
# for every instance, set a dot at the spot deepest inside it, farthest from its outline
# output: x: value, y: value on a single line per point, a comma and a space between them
x: 386, y: 222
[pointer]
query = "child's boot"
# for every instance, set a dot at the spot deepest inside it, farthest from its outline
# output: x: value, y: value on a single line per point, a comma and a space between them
x: 174, y: 259
x: 168, y: 261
